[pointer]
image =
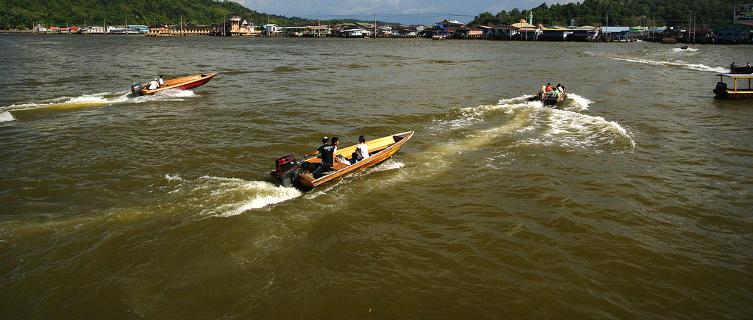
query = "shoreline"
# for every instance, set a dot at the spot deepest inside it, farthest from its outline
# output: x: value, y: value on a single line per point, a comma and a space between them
x: 489, y: 38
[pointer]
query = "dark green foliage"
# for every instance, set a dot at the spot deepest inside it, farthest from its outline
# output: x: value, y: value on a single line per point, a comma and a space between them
x: 27, y: 13
x: 705, y: 13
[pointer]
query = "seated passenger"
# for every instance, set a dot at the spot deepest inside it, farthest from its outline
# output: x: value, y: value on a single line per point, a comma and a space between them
x: 362, y: 151
x: 541, y: 92
x: 153, y: 84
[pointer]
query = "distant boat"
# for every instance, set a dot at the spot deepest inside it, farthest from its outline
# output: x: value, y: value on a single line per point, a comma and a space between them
x: 550, y: 100
x: 177, y: 83
x: 684, y: 47
x: 722, y: 91
x: 292, y: 174
x: 739, y: 70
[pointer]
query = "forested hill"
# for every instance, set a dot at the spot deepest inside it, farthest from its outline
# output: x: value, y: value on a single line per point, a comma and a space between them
x: 23, y: 14
x: 626, y: 13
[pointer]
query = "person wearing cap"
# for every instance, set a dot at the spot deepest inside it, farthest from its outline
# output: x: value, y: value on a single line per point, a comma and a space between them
x: 328, y: 154
x: 324, y: 141
x: 153, y: 84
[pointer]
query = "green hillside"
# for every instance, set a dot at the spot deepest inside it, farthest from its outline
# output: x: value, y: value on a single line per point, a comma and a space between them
x: 23, y: 14
x: 620, y: 13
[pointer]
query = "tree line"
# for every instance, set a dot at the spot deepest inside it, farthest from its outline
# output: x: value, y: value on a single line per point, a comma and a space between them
x: 627, y: 13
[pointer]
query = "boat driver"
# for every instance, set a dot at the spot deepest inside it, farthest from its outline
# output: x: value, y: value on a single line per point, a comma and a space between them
x: 328, y: 154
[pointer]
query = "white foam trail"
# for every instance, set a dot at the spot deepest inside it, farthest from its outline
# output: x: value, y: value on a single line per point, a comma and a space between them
x: 260, y: 195
x: 173, y: 178
x: 577, y: 131
x: 6, y: 116
x: 225, y: 197
x: 166, y: 95
x: 100, y: 99
x: 93, y: 100
x: 564, y: 127
x: 387, y: 165
x: 464, y: 117
x: 577, y: 102
x: 680, y: 50
x: 682, y: 64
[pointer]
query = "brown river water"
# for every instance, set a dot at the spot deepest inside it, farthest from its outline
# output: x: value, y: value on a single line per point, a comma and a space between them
x: 630, y: 200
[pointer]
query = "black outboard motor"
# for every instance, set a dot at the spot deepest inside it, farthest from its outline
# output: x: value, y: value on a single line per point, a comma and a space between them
x: 286, y: 170
x: 136, y: 89
x: 721, y: 90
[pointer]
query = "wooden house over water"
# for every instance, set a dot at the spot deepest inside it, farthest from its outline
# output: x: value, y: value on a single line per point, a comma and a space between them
x: 233, y: 26
x: 499, y: 32
x: 615, y: 33
x: 733, y: 33
x: 468, y: 33
x: 526, y: 31
x: 555, y: 33
x: 162, y: 30
x: 586, y: 33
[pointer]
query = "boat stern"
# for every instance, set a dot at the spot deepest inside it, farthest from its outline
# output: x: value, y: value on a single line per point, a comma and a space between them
x: 720, y: 91
x: 137, y: 89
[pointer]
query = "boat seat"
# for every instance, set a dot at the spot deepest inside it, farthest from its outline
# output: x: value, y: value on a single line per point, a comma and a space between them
x: 336, y: 166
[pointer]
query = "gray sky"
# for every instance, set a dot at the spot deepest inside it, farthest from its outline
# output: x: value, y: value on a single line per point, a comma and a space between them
x: 402, y: 11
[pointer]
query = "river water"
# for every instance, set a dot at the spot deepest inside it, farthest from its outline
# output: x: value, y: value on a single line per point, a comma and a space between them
x: 632, y: 199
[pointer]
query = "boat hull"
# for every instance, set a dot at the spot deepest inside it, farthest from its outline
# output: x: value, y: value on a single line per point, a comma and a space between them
x: 741, y: 70
x: 182, y: 83
x: 732, y: 95
x: 305, y: 180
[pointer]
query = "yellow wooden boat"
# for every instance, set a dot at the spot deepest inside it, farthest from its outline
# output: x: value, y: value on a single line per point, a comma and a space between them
x: 290, y: 173
x: 721, y: 91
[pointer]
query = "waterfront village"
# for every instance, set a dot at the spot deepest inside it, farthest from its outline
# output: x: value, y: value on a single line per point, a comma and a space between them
x: 739, y: 33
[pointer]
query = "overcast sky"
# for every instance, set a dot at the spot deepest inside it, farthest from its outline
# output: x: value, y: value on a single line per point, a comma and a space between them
x: 403, y: 11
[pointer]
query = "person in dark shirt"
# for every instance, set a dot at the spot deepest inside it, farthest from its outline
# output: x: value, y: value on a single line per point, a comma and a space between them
x: 328, y: 154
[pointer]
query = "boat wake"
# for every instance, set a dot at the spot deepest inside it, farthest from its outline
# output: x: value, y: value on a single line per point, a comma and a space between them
x: 676, y: 63
x: 530, y: 124
x: 167, y: 95
x: 65, y: 103
x: 681, y: 50
x: 92, y: 100
x: 225, y: 197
